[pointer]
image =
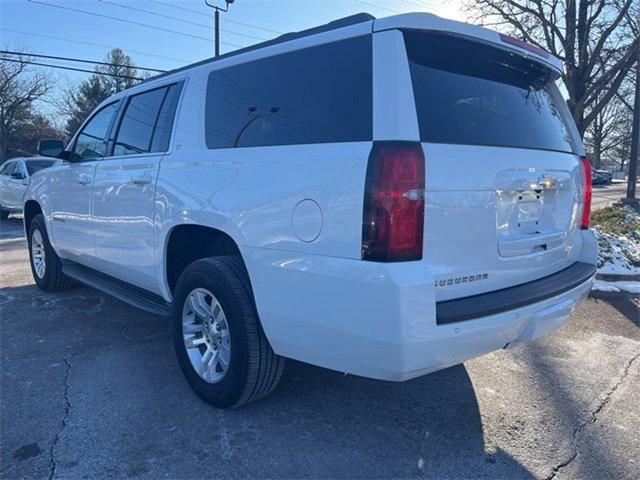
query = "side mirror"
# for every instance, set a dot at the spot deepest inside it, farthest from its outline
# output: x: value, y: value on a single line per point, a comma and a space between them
x: 50, y: 148
x: 65, y: 155
x: 17, y: 176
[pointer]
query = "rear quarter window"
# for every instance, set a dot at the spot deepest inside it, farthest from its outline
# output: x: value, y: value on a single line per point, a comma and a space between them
x: 319, y: 94
x: 470, y: 93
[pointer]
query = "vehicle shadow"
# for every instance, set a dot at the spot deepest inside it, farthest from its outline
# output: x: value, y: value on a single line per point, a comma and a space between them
x: 124, y: 388
x: 11, y: 227
x: 429, y: 426
x: 627, y: 307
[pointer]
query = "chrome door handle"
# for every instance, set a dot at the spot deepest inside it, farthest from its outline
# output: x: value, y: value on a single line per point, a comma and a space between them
x: 83, y: 179
x: 141, y: 180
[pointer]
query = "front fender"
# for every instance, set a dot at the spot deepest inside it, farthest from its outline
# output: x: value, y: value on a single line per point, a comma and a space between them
x: 37, y: 191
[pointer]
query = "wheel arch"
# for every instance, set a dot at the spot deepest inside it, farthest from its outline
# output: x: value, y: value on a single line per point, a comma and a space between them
x: 31, y: 209
x: 186, y: 243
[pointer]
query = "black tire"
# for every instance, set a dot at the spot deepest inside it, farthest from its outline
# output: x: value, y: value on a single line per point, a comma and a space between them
x: 254, y: 369
x: 53, y: 278
x: 4, y: 214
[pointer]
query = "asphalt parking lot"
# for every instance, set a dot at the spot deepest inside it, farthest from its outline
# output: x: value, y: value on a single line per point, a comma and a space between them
x: 604, y: 195
x: 90, y: 388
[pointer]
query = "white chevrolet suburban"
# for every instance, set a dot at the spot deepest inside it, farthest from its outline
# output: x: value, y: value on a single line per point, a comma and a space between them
x: 383, y: 197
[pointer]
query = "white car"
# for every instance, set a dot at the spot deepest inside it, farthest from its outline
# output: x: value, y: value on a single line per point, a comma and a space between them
x: 14, y: 177
x: 383, y: 197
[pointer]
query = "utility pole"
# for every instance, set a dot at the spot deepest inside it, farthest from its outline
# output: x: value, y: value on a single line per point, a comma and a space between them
x: 635, y: 143
x: 216, y: 22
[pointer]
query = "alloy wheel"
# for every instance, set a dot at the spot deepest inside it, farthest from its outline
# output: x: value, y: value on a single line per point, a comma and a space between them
x: 38, y: 253
x: 206, y: 335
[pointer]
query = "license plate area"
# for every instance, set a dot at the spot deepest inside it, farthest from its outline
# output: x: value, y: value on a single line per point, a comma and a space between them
x: 534, y: 215
x: 528, y: 212
x: 525, y: 222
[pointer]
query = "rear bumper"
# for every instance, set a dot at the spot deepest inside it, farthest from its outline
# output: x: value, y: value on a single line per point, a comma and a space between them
x: 486, y: 304
x: 458, y: 342
x: 379, y: 320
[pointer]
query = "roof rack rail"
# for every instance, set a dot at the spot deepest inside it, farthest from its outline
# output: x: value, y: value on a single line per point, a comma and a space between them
x: 333, y: 25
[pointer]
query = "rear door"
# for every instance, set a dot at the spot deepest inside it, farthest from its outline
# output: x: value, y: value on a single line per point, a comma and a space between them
x: 124, y: 186
x: 503, y: 184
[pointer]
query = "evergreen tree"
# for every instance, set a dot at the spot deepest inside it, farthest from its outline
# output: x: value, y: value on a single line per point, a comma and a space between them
x: 83, y: 99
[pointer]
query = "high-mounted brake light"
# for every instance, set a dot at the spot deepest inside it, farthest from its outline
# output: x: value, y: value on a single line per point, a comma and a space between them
x: 526, y: 46
x: 393, y: 216
x: 586, y: 189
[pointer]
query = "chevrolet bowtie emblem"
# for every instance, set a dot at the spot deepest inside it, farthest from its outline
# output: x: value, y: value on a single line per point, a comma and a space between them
x: 546, y: 181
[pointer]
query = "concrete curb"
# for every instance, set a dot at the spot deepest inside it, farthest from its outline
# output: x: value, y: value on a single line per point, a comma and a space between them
x: 10, y: 241
x: 616, y: 277
x: 620, y: 295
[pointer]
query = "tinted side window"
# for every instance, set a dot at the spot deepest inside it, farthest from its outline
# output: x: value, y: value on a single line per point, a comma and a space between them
x: 137, y: 124
x: 162, y: 134
x: 91, y: 142
x: 36, y: 165
x: 315, y: 95
x: 8, y: 168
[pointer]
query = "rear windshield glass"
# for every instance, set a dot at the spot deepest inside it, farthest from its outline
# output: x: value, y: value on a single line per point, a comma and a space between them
x: 34, y: 165
x: 469, y: 93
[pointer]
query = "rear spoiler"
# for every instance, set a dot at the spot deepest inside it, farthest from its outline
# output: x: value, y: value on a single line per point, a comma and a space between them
x: 428, y: 21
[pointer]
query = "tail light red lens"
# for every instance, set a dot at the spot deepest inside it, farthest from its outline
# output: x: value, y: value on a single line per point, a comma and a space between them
x: 586, y: 188
x: 394, y: 203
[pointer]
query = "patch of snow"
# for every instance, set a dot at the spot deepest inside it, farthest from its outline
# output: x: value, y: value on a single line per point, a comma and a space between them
x: 619, y: 254
x: 625, y: 286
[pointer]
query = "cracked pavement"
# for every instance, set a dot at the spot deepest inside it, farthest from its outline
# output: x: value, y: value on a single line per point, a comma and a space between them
x: 90, y: 387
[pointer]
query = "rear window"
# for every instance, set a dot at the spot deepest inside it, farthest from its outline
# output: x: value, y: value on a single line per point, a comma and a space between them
x: 138, y: 122
x: 34, y: 165
x: 315, y: 95
x: 469, y: 93
x: 147, y: 121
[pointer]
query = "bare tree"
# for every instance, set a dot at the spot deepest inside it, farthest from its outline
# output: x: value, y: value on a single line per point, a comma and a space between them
x: 596, y: 39
x: 609, y: 133
x: 610, y: 129
x: 19, y: 89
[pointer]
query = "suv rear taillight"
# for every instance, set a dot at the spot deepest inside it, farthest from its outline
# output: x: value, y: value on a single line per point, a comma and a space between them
x: 394, y: 203
x: 586, y: 189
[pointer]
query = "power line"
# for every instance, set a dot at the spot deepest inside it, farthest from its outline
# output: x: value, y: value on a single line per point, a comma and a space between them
x: 91, y: 43
x: 371, y: 5
x: 128, y: 21
x: 180, y: 20
x: 428, y: 5
x: 422, y: 3
x: 70, y: 59
x: 70, y: 68
x: 209, y: 16
x: 412, y: 2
